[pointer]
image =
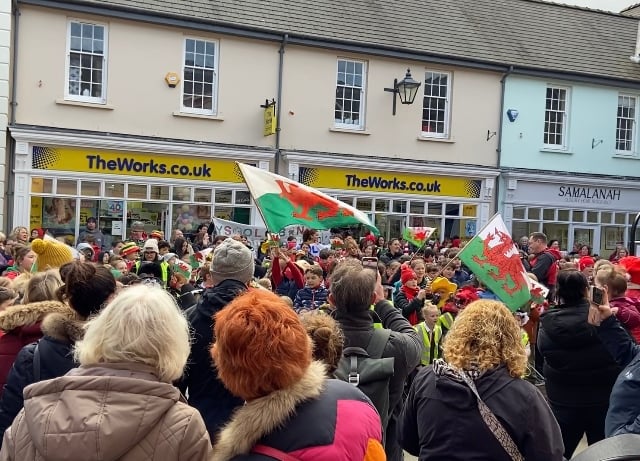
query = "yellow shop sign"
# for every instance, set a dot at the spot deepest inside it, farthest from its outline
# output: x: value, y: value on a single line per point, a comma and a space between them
x: 382, y: 181
x: 134, y: 164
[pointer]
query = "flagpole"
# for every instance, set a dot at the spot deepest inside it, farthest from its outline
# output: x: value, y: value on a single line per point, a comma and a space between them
x: 418, y: 250
x: 253, y: 197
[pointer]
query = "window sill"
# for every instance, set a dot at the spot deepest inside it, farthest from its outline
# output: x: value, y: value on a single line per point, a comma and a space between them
x: 216, y: 118
x: 335, y: 129
x: 90, y: 105
x: 620, y: 155
x: 548, y: 150
x: 435, y: 139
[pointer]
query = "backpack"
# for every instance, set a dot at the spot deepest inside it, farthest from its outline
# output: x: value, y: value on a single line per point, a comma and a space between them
x: 370, y: 372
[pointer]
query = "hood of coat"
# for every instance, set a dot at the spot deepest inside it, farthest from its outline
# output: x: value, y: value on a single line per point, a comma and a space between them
x: 103, y: 412
x: 65, y: 327
x: 215, y: 298
x: 567, y: 325
x: 28, y: 314
x: 259, y: 417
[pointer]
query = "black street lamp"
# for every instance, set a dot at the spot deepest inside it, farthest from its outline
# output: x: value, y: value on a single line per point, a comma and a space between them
x: 406, y: 89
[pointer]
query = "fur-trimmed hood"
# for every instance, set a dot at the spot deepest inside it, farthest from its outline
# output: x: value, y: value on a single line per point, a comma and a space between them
x: 259, y: 417
x: 28, y: 314
x: 66, y: 327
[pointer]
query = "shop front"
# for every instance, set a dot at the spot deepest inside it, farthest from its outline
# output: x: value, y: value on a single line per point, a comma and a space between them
x: 593, y: 212
x: 58, y: 188
x: 400, y: 194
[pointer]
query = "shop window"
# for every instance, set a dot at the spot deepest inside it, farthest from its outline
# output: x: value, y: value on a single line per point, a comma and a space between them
x: 470, y: 210
x: 592, y: 216
x: 243, y: 197
x: 524, y: 229
x: 90, y: 188
x: 347, y: 200
x: 533, y: 213
x: 559, y: 232
x: 549, y: 214
x: 201, y: 195
x: 424, y: 221
x: 364, y: 204
x: 434, y: 208
x: 578, y: 216
x: 113, y: 189
x: 611, y: 237
x: 399, y: 206
x: 187, y: 218
x: 382, y: 205
x: 160, y: 193
x: 563, y: 215
x: 236, y: 214
x: 58, y: 216
x: 519, y: 212
x: 416, y: 207
x: 621, y: 218
x: 606, y: 217
x: 222, y: 196
x: 182, y: 194
x: 137, y: 191
x: 452, y: 209
x: 67, y: 187
x: 41, y: 185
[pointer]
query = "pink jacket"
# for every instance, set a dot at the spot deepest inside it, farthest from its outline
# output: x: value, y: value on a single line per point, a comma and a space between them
x: 628, y: 314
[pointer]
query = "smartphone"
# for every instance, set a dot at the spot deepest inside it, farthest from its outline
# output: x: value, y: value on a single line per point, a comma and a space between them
x: 597, y: 295
x: 370, y: 263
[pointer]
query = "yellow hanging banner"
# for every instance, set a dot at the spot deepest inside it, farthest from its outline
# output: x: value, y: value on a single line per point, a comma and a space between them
x: 269, y: 120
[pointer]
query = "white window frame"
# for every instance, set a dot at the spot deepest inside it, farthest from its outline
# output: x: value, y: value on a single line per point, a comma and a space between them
x: 634, y: 132
x: 363, y: 91
x: 105, y: 54
x: 447, y: 105
x: 216, y: 77
x: 565, y: 120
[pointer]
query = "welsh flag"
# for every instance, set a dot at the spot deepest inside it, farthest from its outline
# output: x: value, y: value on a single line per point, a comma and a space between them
x: 494, y: 259
x: 417, y: 235
x: 183, y: 268
x: 283, y: 202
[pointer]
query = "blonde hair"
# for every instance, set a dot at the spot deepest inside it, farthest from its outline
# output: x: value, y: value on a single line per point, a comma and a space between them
x: 21, y: 281
x: 42, y: 286
x: 141, y: 325
x: 429, y: 306
x: 484, y: 336
x: 601, y: 264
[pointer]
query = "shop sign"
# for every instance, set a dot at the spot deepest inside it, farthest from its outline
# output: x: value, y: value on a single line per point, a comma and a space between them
x: 134, y: 164
x: 383, y: 181
x: 574, y: 195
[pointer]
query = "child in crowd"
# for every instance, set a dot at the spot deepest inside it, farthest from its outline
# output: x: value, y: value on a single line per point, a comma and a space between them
x: 314, y: 294
x: 418, y: 266
x: 265, y: 283
x: 430, y: 333
x: 432, y: 272
x: 585, y: 265
x: 410, y: 298
x: 447, y: 269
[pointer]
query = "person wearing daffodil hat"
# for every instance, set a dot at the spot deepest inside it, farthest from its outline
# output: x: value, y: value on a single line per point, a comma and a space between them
x: 442, y: 290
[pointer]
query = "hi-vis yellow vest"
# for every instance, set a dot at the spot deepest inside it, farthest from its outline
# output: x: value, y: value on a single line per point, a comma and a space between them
x: 431, y: 349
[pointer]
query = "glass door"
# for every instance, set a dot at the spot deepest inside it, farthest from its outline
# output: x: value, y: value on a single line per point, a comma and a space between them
x: 585, y: 235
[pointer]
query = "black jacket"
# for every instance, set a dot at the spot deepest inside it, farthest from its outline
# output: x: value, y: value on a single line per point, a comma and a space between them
x: 578, y: 369
x: 55, y: 351
x: 623, y: 416
x: 441, y: 420
x: 407, y: 307
x: 404, y: 346
x: 200, y: 381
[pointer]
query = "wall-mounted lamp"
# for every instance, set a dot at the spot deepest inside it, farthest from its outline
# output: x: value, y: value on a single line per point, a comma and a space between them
x: 406, y: 89
x: 512, y: 115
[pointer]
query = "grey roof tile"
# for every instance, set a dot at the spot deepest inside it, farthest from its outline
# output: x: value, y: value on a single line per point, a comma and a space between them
x: 523, y: 33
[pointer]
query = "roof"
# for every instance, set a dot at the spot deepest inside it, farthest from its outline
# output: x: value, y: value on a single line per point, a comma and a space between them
x: 526, y: 34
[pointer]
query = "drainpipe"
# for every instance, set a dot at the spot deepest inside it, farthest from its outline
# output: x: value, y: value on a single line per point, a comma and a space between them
x: 283, y: 44
x: 13, y: 104
x: 503, y: 82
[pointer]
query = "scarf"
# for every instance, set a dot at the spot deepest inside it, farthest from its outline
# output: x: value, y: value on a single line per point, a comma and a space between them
x: 442, y: 368
x: 411, y: 293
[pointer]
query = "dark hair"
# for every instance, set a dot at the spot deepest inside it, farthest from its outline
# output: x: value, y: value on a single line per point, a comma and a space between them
x: 552, y: 241
x: 307, y: 234
x: 572, y: 286
x: 115, y: 242
x: 315, y: 270
x: 86, y: 287
x: 177, y: 247
x: 19, y: 251
x: 429, y: 253
x: 129, y: 279
x: 149, y: 268
x: 101, y: 256
x: 539, y: 236
x: 201, y: 226
x: 163, y: 244
x: 219, y: 238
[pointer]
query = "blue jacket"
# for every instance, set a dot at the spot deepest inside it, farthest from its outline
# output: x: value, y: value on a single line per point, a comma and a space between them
x: 200, y: 381
x: 310, y: 298
x: 623, y: 416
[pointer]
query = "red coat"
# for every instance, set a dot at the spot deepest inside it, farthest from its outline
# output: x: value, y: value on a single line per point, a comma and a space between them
x: 628, y: 314
x: 21, y: 326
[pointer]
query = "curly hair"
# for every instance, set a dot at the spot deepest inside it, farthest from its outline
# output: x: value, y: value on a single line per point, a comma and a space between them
x: 327, y: 337
x: 484, y: 336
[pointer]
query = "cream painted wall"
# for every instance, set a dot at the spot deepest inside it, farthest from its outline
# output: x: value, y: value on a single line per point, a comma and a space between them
x: 5, y: 53
x: 139, y: 57
x: 308, y: 111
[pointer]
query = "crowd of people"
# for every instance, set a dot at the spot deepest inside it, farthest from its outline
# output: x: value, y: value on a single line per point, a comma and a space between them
x: 201, y: 347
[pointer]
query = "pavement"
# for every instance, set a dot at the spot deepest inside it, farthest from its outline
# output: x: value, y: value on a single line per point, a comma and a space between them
x: 581, y: 447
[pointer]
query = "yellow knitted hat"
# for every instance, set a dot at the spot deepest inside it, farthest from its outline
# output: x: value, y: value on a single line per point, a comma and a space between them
x: 51, y: 254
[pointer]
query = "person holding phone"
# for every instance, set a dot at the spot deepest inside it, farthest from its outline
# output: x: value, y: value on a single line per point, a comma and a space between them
x: 623, y: 416
x: 578, y: 369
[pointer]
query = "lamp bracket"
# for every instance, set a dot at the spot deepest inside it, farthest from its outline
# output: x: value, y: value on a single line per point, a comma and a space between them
x: 596, y: 142
x: 491, y: 134
x: 268, y: 103
x: 395, y: 92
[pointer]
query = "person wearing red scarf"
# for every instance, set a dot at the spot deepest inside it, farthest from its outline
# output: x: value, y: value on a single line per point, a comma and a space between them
x: 410, y: 299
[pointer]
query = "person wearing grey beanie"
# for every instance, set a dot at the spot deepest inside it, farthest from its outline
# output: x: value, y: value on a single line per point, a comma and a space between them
x: 232, y: 269
x: 232, y: 260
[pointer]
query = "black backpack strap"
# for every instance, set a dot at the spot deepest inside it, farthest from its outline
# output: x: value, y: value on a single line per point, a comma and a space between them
x: 378, y: 342
x: 36, y: 364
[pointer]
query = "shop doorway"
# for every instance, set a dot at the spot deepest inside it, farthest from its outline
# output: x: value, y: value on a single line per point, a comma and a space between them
x: 390, y: 226
x: 585, y: 235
